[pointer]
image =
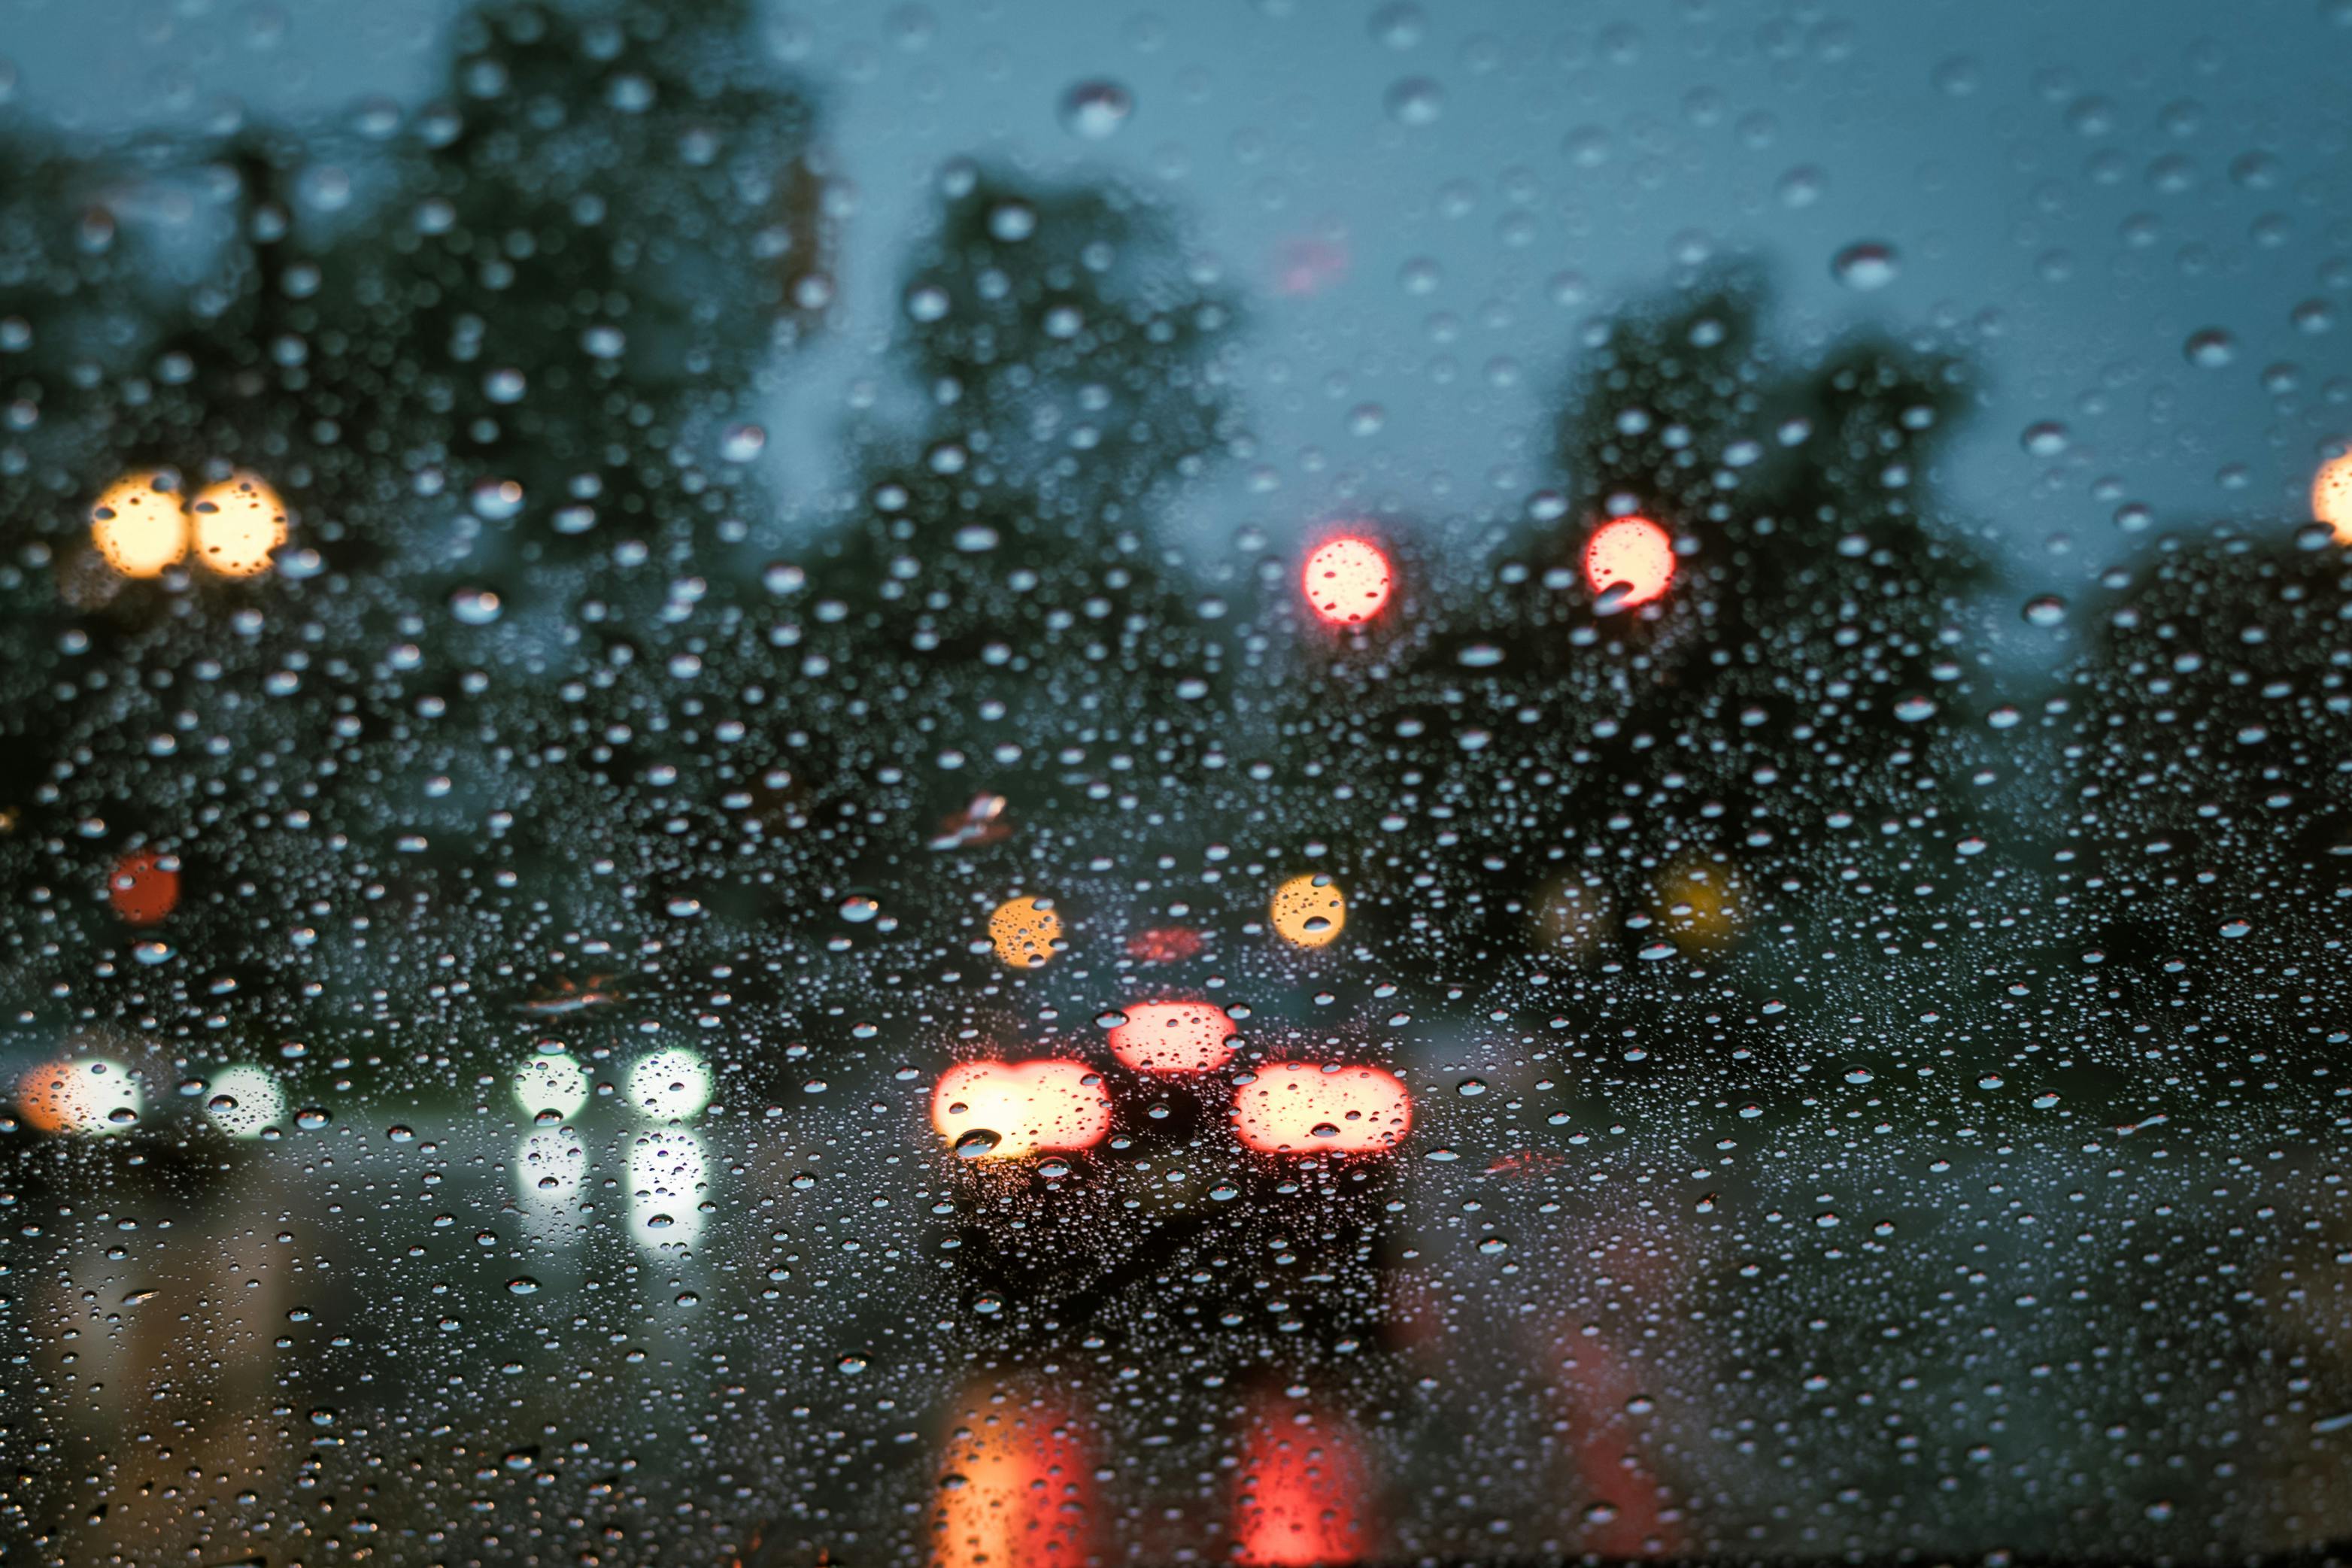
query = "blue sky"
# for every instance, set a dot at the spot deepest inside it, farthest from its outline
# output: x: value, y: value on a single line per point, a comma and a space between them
x: 1428, y: 201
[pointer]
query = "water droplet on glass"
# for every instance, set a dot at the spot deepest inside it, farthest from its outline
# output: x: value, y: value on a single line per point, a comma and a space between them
x: 2046, y: 610
x: 1866, y: 265
x: 474, y: 606
x: 2047, y: 439
x: 1416, y: 102
x: 2210, y: 349
x: 978, y: 1142
x: 1097, y: 110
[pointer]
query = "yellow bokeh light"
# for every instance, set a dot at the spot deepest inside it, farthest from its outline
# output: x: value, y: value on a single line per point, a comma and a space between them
x: 139, y: 525
x: 2331, y: 497
x: 1024, y: 931
x: 1571, y: 916
x: 1700, y: 905
x: 1309, y: 910
x: 238, y: 523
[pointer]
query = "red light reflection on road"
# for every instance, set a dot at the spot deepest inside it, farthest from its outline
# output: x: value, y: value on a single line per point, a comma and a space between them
x: 1299, y: 1499
x: 1017, y: 1490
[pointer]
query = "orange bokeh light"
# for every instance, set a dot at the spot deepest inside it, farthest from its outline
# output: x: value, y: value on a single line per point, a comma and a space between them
x: 140, y: 524
x: 1024, y: 931
x: 1015, y: 1492
x: 238, y: 523
x: 1300, y: 1493
x: 1347, y: 580
x: 2331, y: 497
x: 1002, y: 1110
x: 1632, y: 556
x: 144, y: 887
x: 1309, y: 911
x: 1172, y: 1037
x: 1299, y: 1108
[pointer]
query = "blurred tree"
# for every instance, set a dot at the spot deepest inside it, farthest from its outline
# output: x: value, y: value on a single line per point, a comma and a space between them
x: 1667, y: 758
x: 2201, y: 809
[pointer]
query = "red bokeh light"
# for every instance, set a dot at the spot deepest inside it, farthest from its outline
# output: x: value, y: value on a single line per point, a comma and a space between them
x: 141, y: 889
x: 1633, y: 555
x: 1347, y: 580
x: 1166, y: 945
x: 1299, y: 1108
x: 1171, y: 1037
x: 1052, y: 1104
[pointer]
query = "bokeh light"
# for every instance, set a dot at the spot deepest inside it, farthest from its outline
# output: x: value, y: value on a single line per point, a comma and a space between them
x: 1300, y: 1494
x: 78, y: 1094
x: 2331, y: 497
x: 669, y: 1177
x: 1299, y: 1108
x: 670, y: 1084
x: 1172, y: 1038
x: 1014, y: 1489
x: 551, y: 1166
x: 1003, y: 1109
x: 1699, y: 905
x: 244, y: 1100
x: 1347, y: 580
x: 1024, y: 931
x: 1309, y: 910
x: 144, y: 887
x: 552, y: 1081
x: 238, y: 523
x: 1632, y: 556
x: 1571, y: 916
x: 139, y: 529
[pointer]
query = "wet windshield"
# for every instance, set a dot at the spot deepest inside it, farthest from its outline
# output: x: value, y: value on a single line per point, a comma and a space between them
x: 1048, y: 784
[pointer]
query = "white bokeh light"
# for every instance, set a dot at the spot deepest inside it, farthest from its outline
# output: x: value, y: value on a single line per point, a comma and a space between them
x: 670, y: 1085
x: 243, y: 1100
x: 552, y: 1081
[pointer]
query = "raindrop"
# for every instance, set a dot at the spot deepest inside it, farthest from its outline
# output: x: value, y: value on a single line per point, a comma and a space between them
x: 2046, y: 610
x: 1416, y: 102
x: 1867, y: 264
x: 2210, y: 349
x: 1095, y: 111
x: 2047, y: 439
x: 474, y: 606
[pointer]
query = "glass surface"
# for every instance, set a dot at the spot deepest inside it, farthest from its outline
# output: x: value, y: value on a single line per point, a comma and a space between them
x: 1062, y: 783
